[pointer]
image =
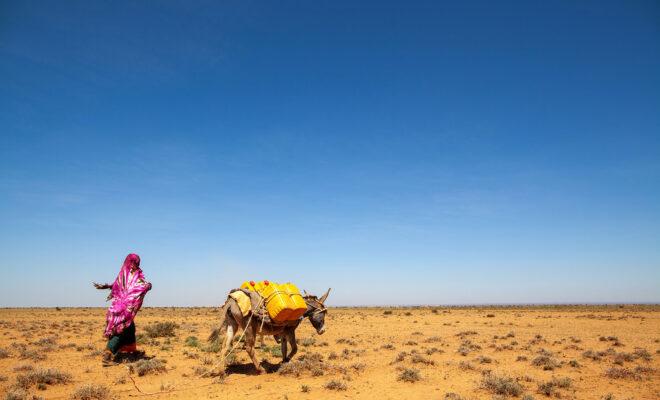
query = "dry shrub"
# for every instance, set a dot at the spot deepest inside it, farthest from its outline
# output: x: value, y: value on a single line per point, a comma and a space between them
x: 92, y: 392
x: 484, y: 360
x: 335, y: 385
x: 626, y: 373
x: 620, y: 358
x: 358, y: 367
x: 546, y: 362
x: 419, y: 359
x: 47, y: 343
x: 594, y: 355
x: 452, y: 396
x: 161, y: 329
x: 42, y: 377
x: 145, y: 367
x: 15, y: 393
x: 23, y: 367
x: 501, y: 385
x: 433, y: 350
x: 464, y: 365
x: 401, y: 356
x: 643, y: 354
x: 24, y: 353
x: 4, y: 353
x: 349, y: 342
x: 310, y: 362
x: 549, y: 388
x: 409, y: 375
x: 466, y: 347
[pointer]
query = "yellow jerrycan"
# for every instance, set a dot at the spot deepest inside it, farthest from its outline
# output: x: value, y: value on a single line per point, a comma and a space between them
x: 299, y: 305
x: 278, y: 302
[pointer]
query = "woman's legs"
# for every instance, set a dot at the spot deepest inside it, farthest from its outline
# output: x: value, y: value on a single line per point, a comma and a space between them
x: 127, y: 339
x: 116, y: 342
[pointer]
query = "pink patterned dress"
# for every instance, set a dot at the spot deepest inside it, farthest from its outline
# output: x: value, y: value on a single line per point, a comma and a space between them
x: 127, y: 294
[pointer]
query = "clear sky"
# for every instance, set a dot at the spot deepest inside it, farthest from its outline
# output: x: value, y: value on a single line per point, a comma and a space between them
x: 401, y: 153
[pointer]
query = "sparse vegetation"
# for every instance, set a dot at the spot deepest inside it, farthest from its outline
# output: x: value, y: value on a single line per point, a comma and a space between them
x: 147, y: 367
x: 92, y: 392
x: 501, y: 385
x: 409, y: 375
x: 16, y: 393
x: 371, y: 351
x: 311, y: 363
x: 161, y: 329
x: 40, y: 376
x: 418, y: 359
x: 335, y: 385
x: 546, y: 362
x: 192, y: 341
x: 550, y: 388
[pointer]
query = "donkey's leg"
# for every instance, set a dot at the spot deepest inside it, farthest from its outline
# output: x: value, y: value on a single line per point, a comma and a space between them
x: 284, y: 350
x: 226, y: 344
x: 291, y: 337
x: 250, y: 339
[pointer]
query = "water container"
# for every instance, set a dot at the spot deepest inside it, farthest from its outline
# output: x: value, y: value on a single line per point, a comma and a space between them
x: 283, y: 302
x: 299, y: 305
x: 278, y: 301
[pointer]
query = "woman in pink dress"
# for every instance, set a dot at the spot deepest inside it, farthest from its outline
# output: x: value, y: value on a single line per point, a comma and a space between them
x: 127, y: 294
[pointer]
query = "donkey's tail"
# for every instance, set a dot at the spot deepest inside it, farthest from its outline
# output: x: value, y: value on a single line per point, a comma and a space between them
x: 215, y: 334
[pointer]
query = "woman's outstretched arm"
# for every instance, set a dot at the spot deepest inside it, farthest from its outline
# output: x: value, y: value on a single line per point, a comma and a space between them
x: 102, y: 285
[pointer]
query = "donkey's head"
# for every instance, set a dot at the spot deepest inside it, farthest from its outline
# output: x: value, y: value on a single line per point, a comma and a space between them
x: 316, y: 311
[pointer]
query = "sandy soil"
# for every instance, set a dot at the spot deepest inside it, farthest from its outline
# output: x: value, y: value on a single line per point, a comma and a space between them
x: 363, y: 350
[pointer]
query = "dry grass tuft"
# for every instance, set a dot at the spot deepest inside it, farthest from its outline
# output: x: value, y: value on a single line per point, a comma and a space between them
x: 161, y: 329
x: 409, y: 375
x: 4, y: 353
x: 549, y: 388
x: 15, y: 393
x: 41, y: 377
x: 502, y: 385
x: 626, y: 373
x: 310, y: 362
x: 147, y: 367
x: 335, y: 385
x: 419, y: 359
x: 467, y: 347
x: 548, y: 363
x: 92, y: 392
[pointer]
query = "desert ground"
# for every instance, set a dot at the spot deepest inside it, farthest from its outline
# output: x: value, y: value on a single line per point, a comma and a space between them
x: 568, y: 352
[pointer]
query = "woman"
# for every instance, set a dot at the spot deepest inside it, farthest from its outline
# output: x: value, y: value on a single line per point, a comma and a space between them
x: 127, y: 294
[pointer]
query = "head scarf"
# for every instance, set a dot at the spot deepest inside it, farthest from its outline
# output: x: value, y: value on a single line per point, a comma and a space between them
x: 128, y: 291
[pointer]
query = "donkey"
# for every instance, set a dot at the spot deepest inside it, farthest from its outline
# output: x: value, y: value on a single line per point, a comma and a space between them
x: 232, y: 319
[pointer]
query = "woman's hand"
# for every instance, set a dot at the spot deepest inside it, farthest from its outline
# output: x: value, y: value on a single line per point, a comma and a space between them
x: 101, y: 285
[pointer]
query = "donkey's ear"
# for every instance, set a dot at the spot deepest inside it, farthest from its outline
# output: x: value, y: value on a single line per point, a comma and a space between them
x: 305, y: 292
x: 325, y: 296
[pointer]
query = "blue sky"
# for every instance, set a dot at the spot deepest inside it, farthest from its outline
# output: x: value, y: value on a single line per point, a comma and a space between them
x: 431, y: 153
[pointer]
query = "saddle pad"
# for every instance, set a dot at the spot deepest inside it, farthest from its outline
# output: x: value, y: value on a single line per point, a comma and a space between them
x: 243, y: 301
